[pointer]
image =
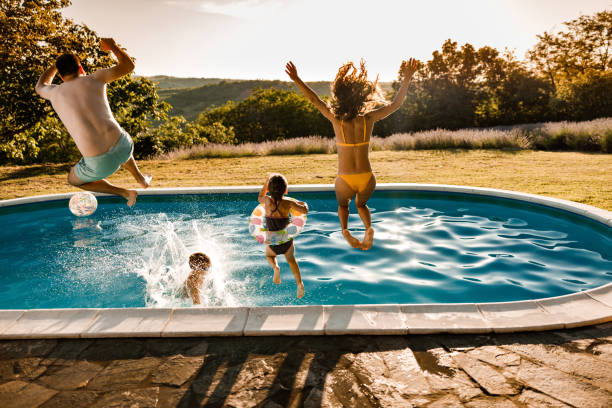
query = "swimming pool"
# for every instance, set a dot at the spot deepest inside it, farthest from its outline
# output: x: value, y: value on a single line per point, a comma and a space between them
x: 430, y: 247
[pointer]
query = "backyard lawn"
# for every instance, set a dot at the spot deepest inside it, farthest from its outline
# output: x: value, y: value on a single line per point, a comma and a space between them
x: 581, y: 177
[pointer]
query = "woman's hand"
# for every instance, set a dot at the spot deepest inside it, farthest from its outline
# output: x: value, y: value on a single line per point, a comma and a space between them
x: 408, y: 68
x: 291, y: 70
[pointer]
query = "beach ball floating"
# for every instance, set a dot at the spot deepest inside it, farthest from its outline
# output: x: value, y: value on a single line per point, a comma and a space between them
x: 83, y: 203
x: 257, y: 227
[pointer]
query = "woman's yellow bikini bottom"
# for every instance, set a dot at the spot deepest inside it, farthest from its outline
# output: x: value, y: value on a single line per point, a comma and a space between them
x: 357, y: 182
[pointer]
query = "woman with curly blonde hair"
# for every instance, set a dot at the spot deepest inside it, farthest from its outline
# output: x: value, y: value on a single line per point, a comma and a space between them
x: 356, y: 104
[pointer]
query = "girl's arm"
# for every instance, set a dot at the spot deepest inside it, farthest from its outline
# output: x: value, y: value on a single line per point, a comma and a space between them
x: 291, y: 70
x: 408, y: 68
x: 299, y: 206
x: 264, y: 190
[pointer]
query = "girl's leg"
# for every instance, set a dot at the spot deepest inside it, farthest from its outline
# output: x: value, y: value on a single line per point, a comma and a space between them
x: 271, y: 257
x: 344, y: 194
x: 103, y: 186
x: 131, y: 166
x: 295, y: 269
x: 364, y: 213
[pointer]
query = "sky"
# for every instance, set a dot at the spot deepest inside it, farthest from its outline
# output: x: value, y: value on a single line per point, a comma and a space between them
x: 253, y: 39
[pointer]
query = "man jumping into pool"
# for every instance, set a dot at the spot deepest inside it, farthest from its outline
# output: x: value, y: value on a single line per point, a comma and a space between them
x: 81, y: 104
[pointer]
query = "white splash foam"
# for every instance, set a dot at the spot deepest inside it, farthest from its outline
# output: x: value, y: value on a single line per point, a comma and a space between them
x: 165, y: 265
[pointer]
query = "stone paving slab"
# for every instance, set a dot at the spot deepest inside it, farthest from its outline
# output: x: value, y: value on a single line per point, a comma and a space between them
x: 450, y: 318
x: 8, y: 318
x: 375, y: 319
x: 135, y: 323
x: 566, y: 367
x: 278, y: 321
x: 582, y: 310
x: 222, y: 321
x: 505, y: 317
x: 602, y: 294
x: 51, y: 323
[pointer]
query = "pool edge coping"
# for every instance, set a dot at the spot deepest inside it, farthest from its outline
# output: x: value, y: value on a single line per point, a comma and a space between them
x: 560, y: 312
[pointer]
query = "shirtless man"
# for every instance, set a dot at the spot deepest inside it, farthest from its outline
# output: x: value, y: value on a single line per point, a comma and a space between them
x: 81, y: 104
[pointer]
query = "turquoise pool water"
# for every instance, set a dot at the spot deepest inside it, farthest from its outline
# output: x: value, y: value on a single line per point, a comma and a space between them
x: 429, y: 247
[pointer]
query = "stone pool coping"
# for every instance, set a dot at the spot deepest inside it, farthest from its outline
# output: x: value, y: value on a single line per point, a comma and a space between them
x: 589, y: 307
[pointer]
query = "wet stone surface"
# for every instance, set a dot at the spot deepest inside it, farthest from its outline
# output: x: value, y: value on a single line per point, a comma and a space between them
x: 548, y: 369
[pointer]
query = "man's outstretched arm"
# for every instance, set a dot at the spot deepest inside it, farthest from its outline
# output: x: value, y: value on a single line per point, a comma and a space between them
x: 124, y: 66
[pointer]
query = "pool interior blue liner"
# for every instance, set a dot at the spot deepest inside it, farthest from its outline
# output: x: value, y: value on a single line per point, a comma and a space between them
x: 430, y: 247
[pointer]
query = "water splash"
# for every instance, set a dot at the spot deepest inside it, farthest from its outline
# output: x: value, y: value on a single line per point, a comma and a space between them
x: 165, y: 266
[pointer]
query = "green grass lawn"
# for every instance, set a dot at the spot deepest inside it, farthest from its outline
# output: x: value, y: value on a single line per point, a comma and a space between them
x: 581, y: 177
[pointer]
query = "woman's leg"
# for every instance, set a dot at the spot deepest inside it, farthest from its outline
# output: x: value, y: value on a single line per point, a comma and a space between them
x: 131, y: 166
x: 271, y: 257
x: 364, y: 212
x: 295, y: 269
x: 344, y: 194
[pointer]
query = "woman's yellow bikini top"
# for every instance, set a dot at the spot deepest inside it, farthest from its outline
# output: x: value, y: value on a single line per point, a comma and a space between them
x: 353, y: 144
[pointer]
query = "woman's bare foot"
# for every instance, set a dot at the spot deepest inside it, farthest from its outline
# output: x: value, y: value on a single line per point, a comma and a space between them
x: 276, y: 278
x: 300, y: 290
x: 368, y: 239
x: 354, y: 242
x: 130, y: 196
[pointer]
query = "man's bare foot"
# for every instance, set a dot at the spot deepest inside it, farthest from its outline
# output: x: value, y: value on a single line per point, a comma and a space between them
x: 300, y: 290
x: 276, y: 278
x: 368, y: 239
x: 145, y: 180
x: 130, y: 196
x: 354, y: 242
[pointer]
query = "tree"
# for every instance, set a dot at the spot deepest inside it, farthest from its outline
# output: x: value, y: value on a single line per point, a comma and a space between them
x: 269, y: 114
x: 583, y: 45
x: 33, y: 33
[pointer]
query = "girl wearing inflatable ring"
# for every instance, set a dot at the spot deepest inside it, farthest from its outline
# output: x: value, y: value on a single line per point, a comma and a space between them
x: 277, y: 210
x: 356, y: 104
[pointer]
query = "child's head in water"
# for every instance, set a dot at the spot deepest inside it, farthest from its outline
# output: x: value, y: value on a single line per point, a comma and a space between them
x: 199, y: 264
x: 199, y: 260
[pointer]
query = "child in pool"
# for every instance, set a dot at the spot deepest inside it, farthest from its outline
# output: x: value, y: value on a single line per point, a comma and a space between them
x: 353, y: 113
x: 277, y: 208
x: 81, y: 104
x: 199, y: 264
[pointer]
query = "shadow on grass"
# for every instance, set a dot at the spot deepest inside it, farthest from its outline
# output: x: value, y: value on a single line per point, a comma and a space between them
x: 35, y: 171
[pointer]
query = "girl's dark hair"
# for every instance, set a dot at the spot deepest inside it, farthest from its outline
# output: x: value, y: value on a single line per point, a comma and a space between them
x: 277, y: 185
x: 352, y: 93
x: 67, y: 64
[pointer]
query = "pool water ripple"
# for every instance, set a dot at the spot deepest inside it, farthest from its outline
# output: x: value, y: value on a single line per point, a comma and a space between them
x: 429, y: 247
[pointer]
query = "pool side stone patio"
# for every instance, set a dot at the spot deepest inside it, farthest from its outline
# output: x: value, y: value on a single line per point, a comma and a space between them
x: 570, y: 367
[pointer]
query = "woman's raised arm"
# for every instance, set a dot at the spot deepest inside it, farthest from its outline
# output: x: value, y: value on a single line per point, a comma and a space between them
x: 291, y: 70
x: 408, y: 68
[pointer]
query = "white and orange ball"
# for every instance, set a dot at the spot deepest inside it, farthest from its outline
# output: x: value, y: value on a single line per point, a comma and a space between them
x: 83, y: 204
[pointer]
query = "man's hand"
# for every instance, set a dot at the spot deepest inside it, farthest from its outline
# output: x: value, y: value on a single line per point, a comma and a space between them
x: 107, y: 44
x: 408, y: 68
x: 124, y: 66
x: 291, y: 70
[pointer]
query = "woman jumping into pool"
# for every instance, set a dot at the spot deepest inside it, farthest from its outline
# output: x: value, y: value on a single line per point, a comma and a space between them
x: 277, y: 209
x: 353, y: 113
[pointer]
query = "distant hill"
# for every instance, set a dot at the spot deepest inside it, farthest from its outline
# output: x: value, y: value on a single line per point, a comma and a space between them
x: 170, y: 82
x: 190, y: 101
